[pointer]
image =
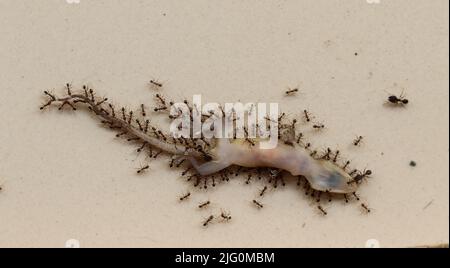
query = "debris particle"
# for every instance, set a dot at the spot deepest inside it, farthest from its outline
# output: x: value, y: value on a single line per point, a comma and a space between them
x: 428, y: 204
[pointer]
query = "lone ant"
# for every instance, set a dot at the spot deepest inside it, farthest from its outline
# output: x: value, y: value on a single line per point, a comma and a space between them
x: 291, y: 91
x: 156, y: 83
x: 186, y: 196
x: 208, y: 220
x: 307, y: 115
x: 365, y: 207
x: 259, y: 205
x: 318, y: 126
x: 357, y: 141
x: 204, y: 204
x: 398, y: 100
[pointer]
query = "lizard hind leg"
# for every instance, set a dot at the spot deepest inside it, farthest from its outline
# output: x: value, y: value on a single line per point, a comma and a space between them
x: 208, y: 168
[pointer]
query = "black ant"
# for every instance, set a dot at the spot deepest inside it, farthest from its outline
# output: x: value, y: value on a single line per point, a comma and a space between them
x: 346, y: 198
x: 197, y: 181
x: 318, y: 126
x: 281, y: 117
x: 346, y: 164
x: 186, y: 171
x: 184, y: 197
x: 143, y: 110
x: 226, y: 216
x: 322, y: 210
x: 124, y: 117
x: 398, y: 100
x: 139, y: 124
x: 359, y: 177
x: 113, y: 112
x: 291, y: 91
x: 357, y: 141
x: 327, y: 154
x: 224, y: 177
x: 156, y: 83
x: 142, y: 169
x: 204, y: 204
x: 307, y: 115
x: 299, y: 138
x: 157, y: 154
x: 263, y: 191
x: 142, y: 147
x: 121, y: 134
x: 91, y: 92
x: 147, y: 122
x: 101, y: 102
x: 68, y: 87
x: 259, y: 205
x: 157, y: 109
x: 318, y: 197
x: 299, y: 179
x: 329, y: 196
x: 160, y: 133
x: 248, y: 179
x: 336, y: 156
x: 365, y: 207
x: 208, y: 220
x: 161, y: 99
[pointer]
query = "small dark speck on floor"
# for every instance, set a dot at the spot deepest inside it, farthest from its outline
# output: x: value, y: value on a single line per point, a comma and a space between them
x: 356, y: 53
x: 428, y: 204
x: 412, y: 163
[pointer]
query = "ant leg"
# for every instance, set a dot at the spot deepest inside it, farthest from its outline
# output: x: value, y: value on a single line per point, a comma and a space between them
x: 208, y: 167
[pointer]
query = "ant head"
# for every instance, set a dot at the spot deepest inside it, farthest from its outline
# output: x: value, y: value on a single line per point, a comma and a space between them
x: 405, y: 101
x: 329, y: 177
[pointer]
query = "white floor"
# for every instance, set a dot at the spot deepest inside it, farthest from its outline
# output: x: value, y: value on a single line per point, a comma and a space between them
x: 64, y: 177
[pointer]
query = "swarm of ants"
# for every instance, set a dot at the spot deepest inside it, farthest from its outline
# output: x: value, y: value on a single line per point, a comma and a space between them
x: 120, y: 119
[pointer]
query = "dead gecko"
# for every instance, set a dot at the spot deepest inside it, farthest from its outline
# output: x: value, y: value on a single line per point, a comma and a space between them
x: 322, y: 175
